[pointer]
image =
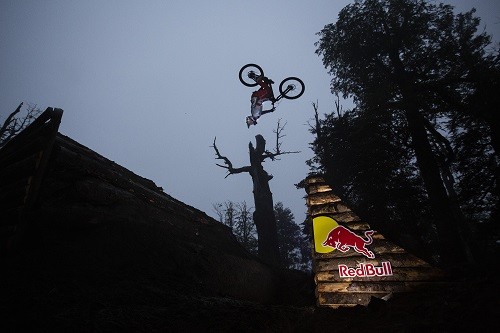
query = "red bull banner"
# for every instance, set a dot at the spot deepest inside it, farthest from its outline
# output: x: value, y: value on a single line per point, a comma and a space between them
x: 330, y: 236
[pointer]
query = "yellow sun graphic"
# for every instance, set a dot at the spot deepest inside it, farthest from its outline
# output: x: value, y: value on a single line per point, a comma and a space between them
x: 322, y: 225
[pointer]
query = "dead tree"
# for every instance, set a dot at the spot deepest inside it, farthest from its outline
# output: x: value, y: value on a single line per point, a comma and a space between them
x: 263, y: 216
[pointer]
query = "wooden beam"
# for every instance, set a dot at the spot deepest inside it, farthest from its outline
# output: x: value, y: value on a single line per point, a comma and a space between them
x: 401, y: 259
x: 383, y: 287
x: 399, y: 274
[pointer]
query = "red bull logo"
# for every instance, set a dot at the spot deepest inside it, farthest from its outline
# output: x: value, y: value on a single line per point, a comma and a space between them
x: 343, y: 239
x: 365, y: 270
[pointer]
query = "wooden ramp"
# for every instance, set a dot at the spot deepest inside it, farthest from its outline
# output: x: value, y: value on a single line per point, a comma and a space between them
x: 23, y: 163
x: 349, y: 267
x: 40, y: 166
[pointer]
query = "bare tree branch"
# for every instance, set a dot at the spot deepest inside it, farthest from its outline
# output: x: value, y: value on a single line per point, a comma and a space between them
x: 7, y: 124
x: 339, y: 108
x: 317, y: 125
x: 277, y: 149
x: 228, y: 165
x: 15, y: 123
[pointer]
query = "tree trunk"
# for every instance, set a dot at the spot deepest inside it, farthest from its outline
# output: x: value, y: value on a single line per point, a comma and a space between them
x: 495, y: 142
x: 452, y: 247
x: 263, y: 215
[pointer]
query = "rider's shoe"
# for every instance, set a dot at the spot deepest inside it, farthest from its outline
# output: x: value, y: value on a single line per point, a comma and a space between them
x: 249, y: 121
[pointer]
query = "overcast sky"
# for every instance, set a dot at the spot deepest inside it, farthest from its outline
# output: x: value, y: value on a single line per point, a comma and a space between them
x: 149, y: 84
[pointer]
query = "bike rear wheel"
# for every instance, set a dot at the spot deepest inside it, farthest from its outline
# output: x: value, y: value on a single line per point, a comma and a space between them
x: 292, y: 87
x: 247, y: 72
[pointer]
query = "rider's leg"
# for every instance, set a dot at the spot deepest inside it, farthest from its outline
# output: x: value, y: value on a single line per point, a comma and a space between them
x: 268, y: 111
x: 256, y: 110
x: 253, y: 101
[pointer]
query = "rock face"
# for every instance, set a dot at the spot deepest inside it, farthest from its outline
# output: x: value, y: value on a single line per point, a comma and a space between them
x: 79, y: 228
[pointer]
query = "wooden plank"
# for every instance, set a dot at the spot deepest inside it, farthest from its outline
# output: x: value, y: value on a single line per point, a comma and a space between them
x: 384, y: 287
x: 399, y: 274
x: 336, y: 306
x: 321, y: 198
x: 317, y: 188
x: 314, y: 180
x: 401, y: 259
x: 20, y: 167
x: 344, y: 217
x: 357, y: 225
x: 88, y: 163
x: 330, y: 208
x: 362, y: 287
x: 30, y: 148
x: 325, y: 298
x: 94, y: 159
x: 332, y: 287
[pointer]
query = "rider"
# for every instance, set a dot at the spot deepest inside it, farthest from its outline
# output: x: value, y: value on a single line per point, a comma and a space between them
x: 265, y: 93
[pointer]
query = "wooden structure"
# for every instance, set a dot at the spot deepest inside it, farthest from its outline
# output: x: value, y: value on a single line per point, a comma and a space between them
x: 69, y: 213
x: 351, y: 277
x: 23, y: 162
x: 40, y: 164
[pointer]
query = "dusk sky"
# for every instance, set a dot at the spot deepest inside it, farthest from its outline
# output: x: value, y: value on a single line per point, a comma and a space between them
x: 149, y: 84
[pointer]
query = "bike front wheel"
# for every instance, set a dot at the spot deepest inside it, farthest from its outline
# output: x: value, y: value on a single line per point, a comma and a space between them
x: 292, y: 87
x: 248, y: 73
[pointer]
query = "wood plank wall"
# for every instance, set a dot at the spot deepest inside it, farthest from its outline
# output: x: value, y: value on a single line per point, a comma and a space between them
x: 400, y: 271
x: 23, y: 161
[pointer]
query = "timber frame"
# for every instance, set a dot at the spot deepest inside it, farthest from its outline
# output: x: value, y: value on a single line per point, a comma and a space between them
x: 39, y: 157
x: 407, y: 272
x: 23, y: 161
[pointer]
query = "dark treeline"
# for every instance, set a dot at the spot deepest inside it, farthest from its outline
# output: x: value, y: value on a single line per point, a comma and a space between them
x: 417, y: 154
x: 294, y: 246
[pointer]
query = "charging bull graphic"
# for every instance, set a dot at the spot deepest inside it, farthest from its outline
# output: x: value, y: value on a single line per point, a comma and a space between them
x: 342, y: 239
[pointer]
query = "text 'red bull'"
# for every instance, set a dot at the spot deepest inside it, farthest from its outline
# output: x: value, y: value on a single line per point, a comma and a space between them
x: 365, y: 270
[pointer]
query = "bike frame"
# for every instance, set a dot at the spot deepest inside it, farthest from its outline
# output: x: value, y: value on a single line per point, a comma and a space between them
x: 253, y: 76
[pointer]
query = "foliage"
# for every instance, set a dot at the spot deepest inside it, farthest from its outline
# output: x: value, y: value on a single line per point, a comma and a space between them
x: 294, y: 248
x: 370, y: 166
x: 238, y: 216
x: 421, y: 143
